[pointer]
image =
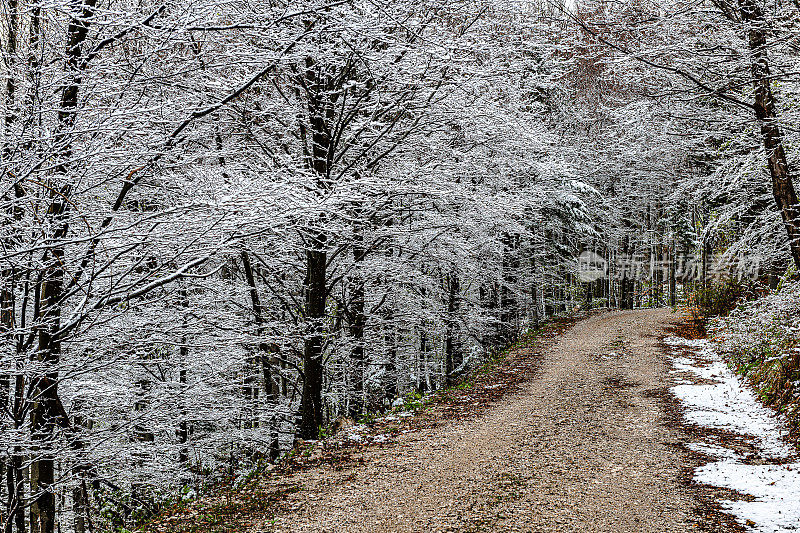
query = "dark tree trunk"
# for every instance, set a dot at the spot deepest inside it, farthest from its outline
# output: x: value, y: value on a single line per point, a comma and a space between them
x: 390, y: 388
x: 765, y: 108
x: 80, y: 505
x: 534, y: 293
x: 589, y: 287
x: 320, y: 100
x: 7, y: 275
x: 422, y: 367
x: 673, y: 284
x: 6, y: 337
x: 316, y: 295
x: 356, y: 328
x: 46, y: 407
x: 452, y: 354
x: 488, y: 298
x: 15, y: 475
x: 183, y: 425
x: 508, y: 300
x: 45, y: 397
x: 265, y: 355
x: 15, y: 481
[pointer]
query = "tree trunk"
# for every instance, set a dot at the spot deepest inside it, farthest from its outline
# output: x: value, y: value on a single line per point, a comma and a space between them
x: 15, y: 475
x: 452, y: 354
x: 673, y: 284
x: 423, y: 382
x: 266, y: 351
x: 589, y: 296
x: 6, y: 276
x: 80, y: 505
x: 625, y: 265
x: 534, y: 294
x: 508, y: 300
x: 390, y: 388
x: 357, y: 357
x: 764, y: 105
x: 320, y: 100
x: 487, y: 294
x: 356, y: 328
x: 46, y: 408
x: 44, y: 411
x: 315, y: 298
x: 183, y: 426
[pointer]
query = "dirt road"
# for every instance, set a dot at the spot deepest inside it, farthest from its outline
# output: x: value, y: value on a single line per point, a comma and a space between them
x: 584, y: 446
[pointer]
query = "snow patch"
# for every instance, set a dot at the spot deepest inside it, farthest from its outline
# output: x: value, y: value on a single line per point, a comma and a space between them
x: 723, y: 400
x: 776, y: 488
x: 727, y: 402
x: 680, y: 341
x: 713, y: 450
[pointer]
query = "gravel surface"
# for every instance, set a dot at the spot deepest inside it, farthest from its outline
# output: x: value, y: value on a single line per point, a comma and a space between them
x: 584, y: 446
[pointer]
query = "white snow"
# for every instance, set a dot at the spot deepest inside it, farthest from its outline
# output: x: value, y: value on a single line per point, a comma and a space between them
x: 723, y: 400
x: 727, y: 402
x: 776, y: 488
x: 355, y: 433
x: 680, y: 341
x: 712, y: 450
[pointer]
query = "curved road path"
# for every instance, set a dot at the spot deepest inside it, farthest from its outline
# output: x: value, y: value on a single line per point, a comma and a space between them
x: 584, y: 446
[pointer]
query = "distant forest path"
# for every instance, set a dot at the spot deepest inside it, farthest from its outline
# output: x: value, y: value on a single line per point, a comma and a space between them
x: 586, y: 445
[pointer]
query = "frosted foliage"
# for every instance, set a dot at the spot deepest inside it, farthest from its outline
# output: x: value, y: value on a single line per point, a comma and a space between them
x: 229, y: 226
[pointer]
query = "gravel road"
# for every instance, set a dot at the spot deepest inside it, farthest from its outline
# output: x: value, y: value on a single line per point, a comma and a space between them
x: 584, y: 446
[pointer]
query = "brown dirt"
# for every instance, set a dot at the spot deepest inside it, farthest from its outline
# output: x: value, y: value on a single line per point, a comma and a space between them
x: 590, y: 443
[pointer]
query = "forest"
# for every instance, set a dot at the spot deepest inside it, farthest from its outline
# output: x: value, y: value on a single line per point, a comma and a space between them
x: 226, y: 225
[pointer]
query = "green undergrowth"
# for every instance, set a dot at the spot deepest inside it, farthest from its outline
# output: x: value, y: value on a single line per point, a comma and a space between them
x: 776, y: 382
x: 718, y: 298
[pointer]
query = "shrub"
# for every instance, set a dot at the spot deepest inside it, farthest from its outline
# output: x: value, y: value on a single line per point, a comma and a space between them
x: 717, y: 299
x: 761, y: 341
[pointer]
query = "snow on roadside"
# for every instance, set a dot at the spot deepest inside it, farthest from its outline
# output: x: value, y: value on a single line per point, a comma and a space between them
x: 776, y: 488
x: 722, y: 400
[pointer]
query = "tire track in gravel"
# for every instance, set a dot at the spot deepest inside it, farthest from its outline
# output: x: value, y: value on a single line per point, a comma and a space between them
x: 584, y: 446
